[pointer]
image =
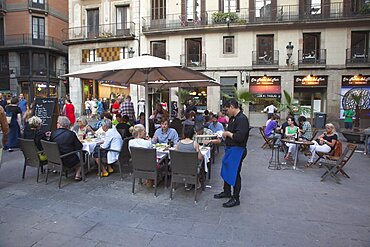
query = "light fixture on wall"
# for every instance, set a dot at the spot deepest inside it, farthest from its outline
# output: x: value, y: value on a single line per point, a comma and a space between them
x: 131, y: 52
x: 289, y: 52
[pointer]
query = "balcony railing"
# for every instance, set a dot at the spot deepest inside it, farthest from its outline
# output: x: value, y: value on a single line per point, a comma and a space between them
x: 267, y: 59
x: 356, y: 57
x: 37, y: 5
x: 312, y: 58
x: 163, y: 56
x: 193, y: 60
x: 282, y: 13
x: 104, y: 31
x: 27, y: 40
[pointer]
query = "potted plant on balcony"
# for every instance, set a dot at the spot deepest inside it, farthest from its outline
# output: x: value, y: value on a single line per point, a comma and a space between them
x: 222, y: 18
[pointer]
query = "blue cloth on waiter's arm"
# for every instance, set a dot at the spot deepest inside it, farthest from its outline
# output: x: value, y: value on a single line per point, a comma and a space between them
x: 230, y: 164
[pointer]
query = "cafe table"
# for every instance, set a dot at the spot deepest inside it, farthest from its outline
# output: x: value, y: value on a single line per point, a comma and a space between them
x: 88, y: 145
x: 298, y: 143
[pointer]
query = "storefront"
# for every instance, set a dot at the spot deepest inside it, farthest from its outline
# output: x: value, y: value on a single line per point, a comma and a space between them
x: 39, y: 89
x: 102, y: 89
x: 358, y: 85
x: 267, y: 91
x: 311, y: 93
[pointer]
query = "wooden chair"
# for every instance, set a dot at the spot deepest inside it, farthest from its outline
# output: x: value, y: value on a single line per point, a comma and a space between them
x: 123, y: 158
x: 31, y: 156
x: 145, y: 165
x: 268, y: 142
x: 51, y: 150
x: 336, y: 151
x: 334, y: 164
x: 184, y: 169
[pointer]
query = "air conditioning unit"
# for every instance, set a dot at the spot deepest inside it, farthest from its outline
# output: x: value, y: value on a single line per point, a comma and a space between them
x: 13, y: 72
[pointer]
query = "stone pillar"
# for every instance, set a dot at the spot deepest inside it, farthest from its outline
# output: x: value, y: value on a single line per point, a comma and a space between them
x: 75, y: 91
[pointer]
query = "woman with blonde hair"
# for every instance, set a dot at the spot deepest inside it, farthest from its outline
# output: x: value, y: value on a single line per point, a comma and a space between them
x: 139, y: 134
x: 325, y: 143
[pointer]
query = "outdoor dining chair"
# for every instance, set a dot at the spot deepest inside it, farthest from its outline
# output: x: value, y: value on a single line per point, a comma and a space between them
x: 268, y: 142
x: 336, y: 151
x: 123, y: 158
x: 184, y: 169
x: 51, y: 150
x: 31, y: 156
x: 145, y: 165
x: 334, y: 164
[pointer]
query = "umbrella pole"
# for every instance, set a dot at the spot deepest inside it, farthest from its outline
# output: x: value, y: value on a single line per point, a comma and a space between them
x: 146, y: 102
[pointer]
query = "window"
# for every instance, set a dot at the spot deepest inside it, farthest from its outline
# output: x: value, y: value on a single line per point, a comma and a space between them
x: 92, y: 23
x: 38, y: 28
x: 229, y: 45
x: 38, y: 1
x: 229, y: 5
x: 227, y: 86
x: 193, y: 52
x: 263, y: 8
x: 158, y: 9
x: 52, y: 65
x: 158, y: 48
x: 40, y: 4
x: 193, y: 10
x: 360, y: 44
x: 4, y: 64
x: 39, y: 64
x: 24, y: 63
x: 92, y: 56
x: 265, y: 48
x: 121, y: 20
x: 311, y: 45
x: 312, y: 7
x: 358, y: 5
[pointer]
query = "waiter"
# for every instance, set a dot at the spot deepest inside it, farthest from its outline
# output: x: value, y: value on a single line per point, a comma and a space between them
x: 236, y: 137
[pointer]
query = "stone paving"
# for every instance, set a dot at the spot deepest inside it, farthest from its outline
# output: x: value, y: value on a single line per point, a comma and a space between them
x: 278, y: 208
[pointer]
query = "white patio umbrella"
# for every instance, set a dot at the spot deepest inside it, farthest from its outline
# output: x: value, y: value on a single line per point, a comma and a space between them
x: 145, y: 70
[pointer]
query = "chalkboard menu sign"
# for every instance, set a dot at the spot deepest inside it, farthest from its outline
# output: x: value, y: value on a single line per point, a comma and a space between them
x: 47, y: 110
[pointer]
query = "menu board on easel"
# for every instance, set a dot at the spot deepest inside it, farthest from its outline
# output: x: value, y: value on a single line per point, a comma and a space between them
x: 47, y: 110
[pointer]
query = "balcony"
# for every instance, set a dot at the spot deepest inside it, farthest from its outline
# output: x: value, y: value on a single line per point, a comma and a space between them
x: 102, y: 33
x: 265, y: 61
x: 194, y: 61
x: 38, y: 7
x: 333, y: 12
x: 25, y: 40
x: 355, y: 58
x: 313, y: 59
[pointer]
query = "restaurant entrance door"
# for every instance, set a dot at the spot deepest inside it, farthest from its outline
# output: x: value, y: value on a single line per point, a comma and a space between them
x: 311, y: 98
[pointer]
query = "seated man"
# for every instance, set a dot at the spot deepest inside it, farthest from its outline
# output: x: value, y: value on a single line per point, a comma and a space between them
x: 112, y: 140
x: 67, y: 142
x: 215, y: 126
x: 272, y: 130
x: 305, y: 128
x: 164, y: 133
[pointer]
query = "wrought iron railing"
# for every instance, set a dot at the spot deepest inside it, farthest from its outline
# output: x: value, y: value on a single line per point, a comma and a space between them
x: 193, y: 60
x: 281, y: 13
x: 355, y: 56
x: 110, y: 30
x: 312, y: 57
x: 27, y: 40
x: 265, y: 58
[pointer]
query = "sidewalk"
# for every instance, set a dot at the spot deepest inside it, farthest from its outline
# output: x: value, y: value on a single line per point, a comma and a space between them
x: 278, y: 208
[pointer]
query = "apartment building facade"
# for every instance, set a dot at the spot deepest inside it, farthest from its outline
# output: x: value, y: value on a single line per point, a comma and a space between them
x: 316, y: 50
x: 32, y: 55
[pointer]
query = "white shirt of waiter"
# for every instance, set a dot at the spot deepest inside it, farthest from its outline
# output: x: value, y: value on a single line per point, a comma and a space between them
x: 270, y: 109
x: 112, y: 140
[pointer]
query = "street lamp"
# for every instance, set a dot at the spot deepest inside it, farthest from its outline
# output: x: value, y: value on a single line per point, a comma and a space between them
x: 131, y: 52
x: 289, y: 51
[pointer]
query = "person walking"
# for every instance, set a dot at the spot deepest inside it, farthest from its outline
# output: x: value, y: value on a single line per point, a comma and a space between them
x: 4, y: 126
x: 14, y: 116
x: 270, y: 109
x: 69, y: 111
x: 236, y: 138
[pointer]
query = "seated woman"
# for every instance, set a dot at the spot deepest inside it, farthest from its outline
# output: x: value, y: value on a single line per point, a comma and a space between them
x: 188, y: 145
x: 325, y: 143
x: 140, y: 141
x: 141, y: 119
x: 290, y: 132
x: 82, y: 127
x: 32, y: 131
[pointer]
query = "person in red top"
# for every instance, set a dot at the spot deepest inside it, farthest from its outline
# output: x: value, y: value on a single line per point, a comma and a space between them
x: 115, y: 106
x: 69, y: 111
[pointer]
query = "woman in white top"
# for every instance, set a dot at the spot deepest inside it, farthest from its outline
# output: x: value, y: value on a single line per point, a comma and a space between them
x: 139, y: 134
